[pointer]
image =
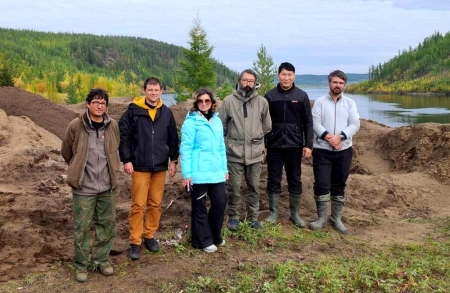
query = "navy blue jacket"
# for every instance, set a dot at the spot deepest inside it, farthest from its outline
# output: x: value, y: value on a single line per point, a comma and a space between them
x: 148, y: 144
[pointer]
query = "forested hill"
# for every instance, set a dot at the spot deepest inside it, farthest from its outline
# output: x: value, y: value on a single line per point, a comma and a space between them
x: 44, y: 59
x: 312, y: 80
x: 422, y: 69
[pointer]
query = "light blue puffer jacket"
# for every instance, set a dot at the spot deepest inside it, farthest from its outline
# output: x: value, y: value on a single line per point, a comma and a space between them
x: 202, y: 149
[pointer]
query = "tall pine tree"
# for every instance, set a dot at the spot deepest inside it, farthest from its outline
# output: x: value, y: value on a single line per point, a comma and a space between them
x: 265, y: 69
x: 197, y: 66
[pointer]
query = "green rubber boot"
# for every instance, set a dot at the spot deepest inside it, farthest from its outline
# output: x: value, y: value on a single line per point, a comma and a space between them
x: 273, y: 208
x: 294, y: 205
x: 337, y: 204
x: 322, y: 206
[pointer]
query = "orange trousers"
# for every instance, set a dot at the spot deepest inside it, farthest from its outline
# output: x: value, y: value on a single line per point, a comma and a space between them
x: 147, y: 189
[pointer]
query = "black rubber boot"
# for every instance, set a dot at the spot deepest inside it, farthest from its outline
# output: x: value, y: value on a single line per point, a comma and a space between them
x: 322, y: 206
x: 337, y: 204
x: 294, y: 205
x: 273, y: 208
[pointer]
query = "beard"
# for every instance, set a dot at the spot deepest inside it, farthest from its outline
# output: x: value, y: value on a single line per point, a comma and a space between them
x: 337, y: 91
x: 247, y: 89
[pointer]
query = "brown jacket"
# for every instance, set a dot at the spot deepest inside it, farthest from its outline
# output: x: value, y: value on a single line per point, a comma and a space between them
x: 87, y: 172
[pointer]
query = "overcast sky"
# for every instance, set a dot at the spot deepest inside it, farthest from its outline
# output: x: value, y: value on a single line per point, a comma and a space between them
x: 317, y: 36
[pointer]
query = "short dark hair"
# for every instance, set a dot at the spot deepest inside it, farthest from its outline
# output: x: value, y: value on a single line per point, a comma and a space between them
x: 97, y: 94
x: 152, y: 81
x: 201, y: 91
x: 287, y: 66
x: 337, y: 73
x: 249, y: 71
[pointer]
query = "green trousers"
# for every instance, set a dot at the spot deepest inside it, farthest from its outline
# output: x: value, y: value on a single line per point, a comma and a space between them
x: 252, y: 176
x: 100, y: 211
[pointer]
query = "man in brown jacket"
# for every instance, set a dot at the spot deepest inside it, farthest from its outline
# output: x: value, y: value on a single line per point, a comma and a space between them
x: 90, y: 147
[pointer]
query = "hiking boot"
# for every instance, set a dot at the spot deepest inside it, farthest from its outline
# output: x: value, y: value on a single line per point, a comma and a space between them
x: 151, y: 244
x: 81, y: 276
x: 134, y: 252
x: 210, y: 249
x: 107, y: 269
x: 233, y: 224
x: 255, y: 225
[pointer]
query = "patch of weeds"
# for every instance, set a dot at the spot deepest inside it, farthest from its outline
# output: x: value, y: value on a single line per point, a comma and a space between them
x: 363, y: 221
x: 204, y: 284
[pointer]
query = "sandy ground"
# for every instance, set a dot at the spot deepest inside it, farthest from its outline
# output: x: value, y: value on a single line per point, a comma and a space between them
x: 398, y: 177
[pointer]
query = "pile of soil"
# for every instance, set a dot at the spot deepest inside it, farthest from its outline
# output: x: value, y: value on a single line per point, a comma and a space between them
x: 43, y: 112
x: 390, y: 182
x: 421, y: 147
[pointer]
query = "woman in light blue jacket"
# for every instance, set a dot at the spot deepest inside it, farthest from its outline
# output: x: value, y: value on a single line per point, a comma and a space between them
x: 204, y: 170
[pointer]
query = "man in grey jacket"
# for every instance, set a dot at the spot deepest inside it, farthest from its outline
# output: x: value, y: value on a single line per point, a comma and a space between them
x: 246, y: 119
x: 336, y: 121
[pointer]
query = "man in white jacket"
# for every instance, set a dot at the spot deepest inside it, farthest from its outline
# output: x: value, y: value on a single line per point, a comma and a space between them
x: 336, y: 121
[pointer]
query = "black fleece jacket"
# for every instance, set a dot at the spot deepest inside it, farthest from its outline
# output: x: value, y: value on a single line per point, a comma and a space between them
x: 292, y: 124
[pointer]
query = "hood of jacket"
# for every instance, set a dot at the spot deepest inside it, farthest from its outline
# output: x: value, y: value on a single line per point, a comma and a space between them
x: 244, y: 96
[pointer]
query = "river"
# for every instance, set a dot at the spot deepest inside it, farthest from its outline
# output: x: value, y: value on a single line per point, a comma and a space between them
x: 391, y: 110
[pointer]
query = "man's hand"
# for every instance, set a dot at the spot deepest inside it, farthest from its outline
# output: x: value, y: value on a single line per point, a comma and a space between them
x: 128, y: 168
x: 338, y: 146
x: 226, y: 176
x: 333, y: 140
x: 307, y: 152
x: 172, y: 169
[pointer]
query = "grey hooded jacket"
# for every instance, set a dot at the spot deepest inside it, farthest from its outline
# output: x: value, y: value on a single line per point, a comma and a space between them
x: 245, y: 120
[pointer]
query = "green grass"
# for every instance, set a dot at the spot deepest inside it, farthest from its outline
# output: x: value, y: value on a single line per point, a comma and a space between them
x: 281, y: 259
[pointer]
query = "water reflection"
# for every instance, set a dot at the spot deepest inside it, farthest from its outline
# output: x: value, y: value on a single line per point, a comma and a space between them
x: 391, y: 110
x: 397, y: 110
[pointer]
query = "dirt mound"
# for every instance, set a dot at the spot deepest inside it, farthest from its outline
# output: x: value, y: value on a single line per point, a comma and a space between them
x: 422, y: 147
x: 42, y: 111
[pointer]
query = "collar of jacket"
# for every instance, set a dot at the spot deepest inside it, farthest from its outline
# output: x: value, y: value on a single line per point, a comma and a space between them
x: 241, y: 95
x: 282, y: 90
x: 87, y: 121
x: 140, y: 101
x: 337, y: 100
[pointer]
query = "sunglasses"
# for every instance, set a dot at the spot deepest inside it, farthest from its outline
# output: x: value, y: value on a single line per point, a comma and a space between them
x: 204, y: 102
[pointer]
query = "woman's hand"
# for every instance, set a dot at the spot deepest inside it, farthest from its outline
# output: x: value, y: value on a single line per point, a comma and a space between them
x: 187, y: 183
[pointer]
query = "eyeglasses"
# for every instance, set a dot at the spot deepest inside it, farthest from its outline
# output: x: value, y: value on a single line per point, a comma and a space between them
x: 97, y: 103
x: 204, y: 102
x: 248, y: 80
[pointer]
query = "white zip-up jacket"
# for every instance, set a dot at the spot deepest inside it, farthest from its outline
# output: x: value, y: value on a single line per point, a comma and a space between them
x: 334, y: 118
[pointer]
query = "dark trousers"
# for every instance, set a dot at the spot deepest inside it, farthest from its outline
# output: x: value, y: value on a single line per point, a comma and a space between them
x: 207, y: 226
x: 291, y: 159
x: 331, y: 170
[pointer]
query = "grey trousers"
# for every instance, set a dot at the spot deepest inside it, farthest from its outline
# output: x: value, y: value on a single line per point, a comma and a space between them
x: 252, y: 176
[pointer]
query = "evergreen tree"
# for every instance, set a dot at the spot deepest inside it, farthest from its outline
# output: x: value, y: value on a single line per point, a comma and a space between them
x: 197, y: 66
x: 72, y: 97
x: 224, y: 90
x: 265, y: 69
x: 5, y: 75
